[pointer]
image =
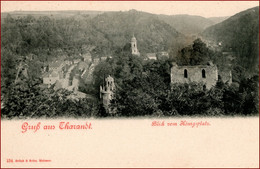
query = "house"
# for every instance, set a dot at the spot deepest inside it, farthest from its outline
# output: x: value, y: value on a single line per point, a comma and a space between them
x: 226, y: 76
x: 68, y: 62
x: 103, y: 58
x: 87, y: 57
x: 96, y: 60
x: 151, y: 56
x: 163, y: 53
x: 76, y: 95
x: 75, y: 61
x: 62, y: 57
x: 57, y: 65
x: 30, y: 57
x: 50, y: 78
x: 83, y: 66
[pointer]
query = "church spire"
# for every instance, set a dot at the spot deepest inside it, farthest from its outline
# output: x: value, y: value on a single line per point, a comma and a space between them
x: 134, y: 46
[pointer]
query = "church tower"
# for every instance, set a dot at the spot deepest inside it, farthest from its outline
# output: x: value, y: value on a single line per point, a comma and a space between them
x: 134, y: 46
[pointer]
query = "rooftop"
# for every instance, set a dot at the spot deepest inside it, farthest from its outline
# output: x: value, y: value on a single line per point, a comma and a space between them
x: 55, y: 64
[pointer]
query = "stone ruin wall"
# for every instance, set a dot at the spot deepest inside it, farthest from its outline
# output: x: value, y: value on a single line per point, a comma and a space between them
x: 194, y: 74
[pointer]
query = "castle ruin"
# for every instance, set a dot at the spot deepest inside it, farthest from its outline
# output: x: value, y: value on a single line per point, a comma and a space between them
x: 107, y: 93
x: 205, y: 74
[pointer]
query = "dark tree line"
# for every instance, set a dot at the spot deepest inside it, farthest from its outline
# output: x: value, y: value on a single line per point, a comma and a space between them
x: 29, y: 99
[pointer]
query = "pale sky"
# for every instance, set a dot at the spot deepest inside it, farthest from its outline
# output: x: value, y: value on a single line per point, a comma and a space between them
x: 205, y: 9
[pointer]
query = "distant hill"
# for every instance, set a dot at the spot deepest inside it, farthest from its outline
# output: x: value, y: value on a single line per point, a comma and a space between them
x: 218, y: 19
x: 152, y: 34
x: 239, y: 34
x: 189, y: 24
x: 54, y: 14
x: 185, y: 24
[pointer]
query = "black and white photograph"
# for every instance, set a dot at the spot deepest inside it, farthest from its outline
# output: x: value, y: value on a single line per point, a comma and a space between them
x: 123, y: 61
x: 79, y: 63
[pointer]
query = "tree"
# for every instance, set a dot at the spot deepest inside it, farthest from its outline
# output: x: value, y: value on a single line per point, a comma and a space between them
x: 196, y: 54
x: 200, y: 53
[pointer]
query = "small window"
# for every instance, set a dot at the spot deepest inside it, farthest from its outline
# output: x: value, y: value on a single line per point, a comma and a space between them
x: 204, y: 87
x: 185, y: 73
x: 203, y: 73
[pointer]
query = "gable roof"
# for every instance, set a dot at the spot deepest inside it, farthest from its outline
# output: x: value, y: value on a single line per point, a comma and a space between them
x: 151, y: 55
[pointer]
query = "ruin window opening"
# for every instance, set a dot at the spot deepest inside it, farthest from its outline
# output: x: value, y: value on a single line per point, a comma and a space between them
x: 203, y: 73
x: 185, y: 73
x: 204, y: 87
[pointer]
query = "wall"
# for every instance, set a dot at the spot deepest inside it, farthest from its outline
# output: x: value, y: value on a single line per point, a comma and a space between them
x: 75, y: 83
x: 195, y: 74
x: 226, y: 76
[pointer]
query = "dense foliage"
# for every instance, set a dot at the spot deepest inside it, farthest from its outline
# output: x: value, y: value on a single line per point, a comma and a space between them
x: 195, y: 54
x: 32, y: 100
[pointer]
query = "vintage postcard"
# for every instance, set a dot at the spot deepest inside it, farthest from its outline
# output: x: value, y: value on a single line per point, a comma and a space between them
x: 129, y: 84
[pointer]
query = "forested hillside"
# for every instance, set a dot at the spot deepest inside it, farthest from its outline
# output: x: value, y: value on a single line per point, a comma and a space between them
x: 239, y: 34
x: 152, y: 34
x: 52, y: 14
